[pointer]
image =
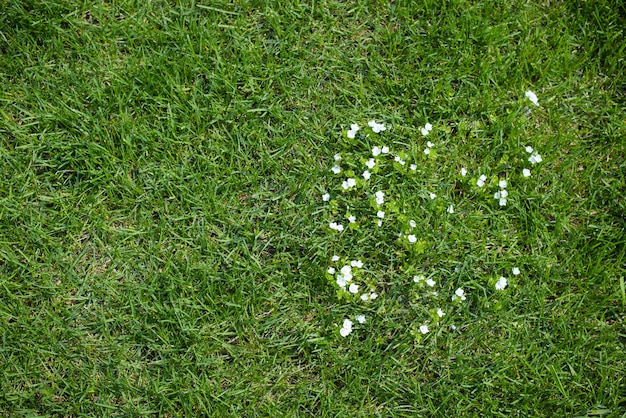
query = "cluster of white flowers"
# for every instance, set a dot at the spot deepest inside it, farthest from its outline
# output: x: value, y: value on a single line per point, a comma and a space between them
x: 348, y: 276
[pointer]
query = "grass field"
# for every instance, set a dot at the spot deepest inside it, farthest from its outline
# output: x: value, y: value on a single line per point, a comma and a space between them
x: 164, y: 243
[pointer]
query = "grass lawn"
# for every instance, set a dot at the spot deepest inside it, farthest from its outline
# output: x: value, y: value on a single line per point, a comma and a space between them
x: 164, y: 243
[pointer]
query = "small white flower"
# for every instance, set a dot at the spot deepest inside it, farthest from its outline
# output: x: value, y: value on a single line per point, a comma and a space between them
x: 412, y: 223
x: 535, y: 158
x: 380, y: 223
x: 385, y: 149
x: 335, y: 258
x: 502, y: 184
x: 424, y: 329
x: 529, y: 149
x: 370, y: 163
x: 412, y: 238
x: 353, y: 130
x: 346, y: 270
x: 481, y: 180
x: 360, y: 319
x: 376, y: 151
x: 380, y: 197
x: 326, y: 197
x: 427, y: 151
x: 419, y: 278
x: 352, y: 219
x: 463, y: 171
x: 504, y: 193
x: 538, y: 158
x: 430, y: 144
x: 373, y: 295
x: 354, y: 289
x: 496, y: 195
x: 380, y: 214
x: 501, y: 283
x: 450, y: 209
x: 440, y: 313
x: 376, y: 127
x: 453, y: 327
x: 431, y: 282
x: 532, y: 97
x: 341, y: 281
x: 346, y: 329
x: 331, y: 270
x: 348, y: 183
x: 428, y: 127
x: 365, y: 297
x: 516, y: 271
x: 356, y: 263
x: 413, y: 167
x: 502, y: 201
x: 336, y: 169
x: 433, y: 196
x: 459, y: 294
x: 526, y: 172
x: 425, y: 131
x: 337, y: 157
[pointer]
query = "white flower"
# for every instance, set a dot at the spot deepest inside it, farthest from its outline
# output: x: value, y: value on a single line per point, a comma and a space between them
x: 341, y: 281
x: 419, y: 278
x: 346, y: 184
x: 365, y: 297
x: 501, y: 283
x: 336, y: 169
x: 526, y: 172
x: 428, y: 127
x: 412, y: 223
x: 431, y: 282
x: 425, y: 131
x: 502, y: 201
x: 385, y: 149
x: 336, y: 226
x: 376, y: 151
x: 376, y: 127
x: 353, y: 130
x: 535, y: 158
x: 373, y: 295
x: 335, y: 258
x: 424, y: 329
x: 463, y: 171
x: 504, y: 193
x: 450, y: 209
x: 346, y: 329
x: 430, y: 144
x: 380, y: 223
x: 331, y: 270
x: 538, y: 158
x: 496, y: 195
x: 502, y: 184
x: 367, y: 175
x: 326, y: 197
x: 427, y: 151
x: 337, y: 157
x: 347, y: 271
x: 433, y: 196
x: 352, y: 218
x: 532, y: 97
x: 440, y: 313
x: 529, y: 149
x: 370, y: 163
x: 353, y: 288
x: 399, y: 160
x: 380, y: 214
x: 453, y: 327
x: 413, y: 167
x: 481, y: 180
x: 459, y: 294
x: 412, y: 238
x: 380, y: 197
x: 516, y: 271
x: 360, y: 319
x: 356, y: 263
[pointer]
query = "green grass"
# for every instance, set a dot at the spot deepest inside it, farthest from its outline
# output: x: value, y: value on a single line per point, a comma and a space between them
x: 163, y: 243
